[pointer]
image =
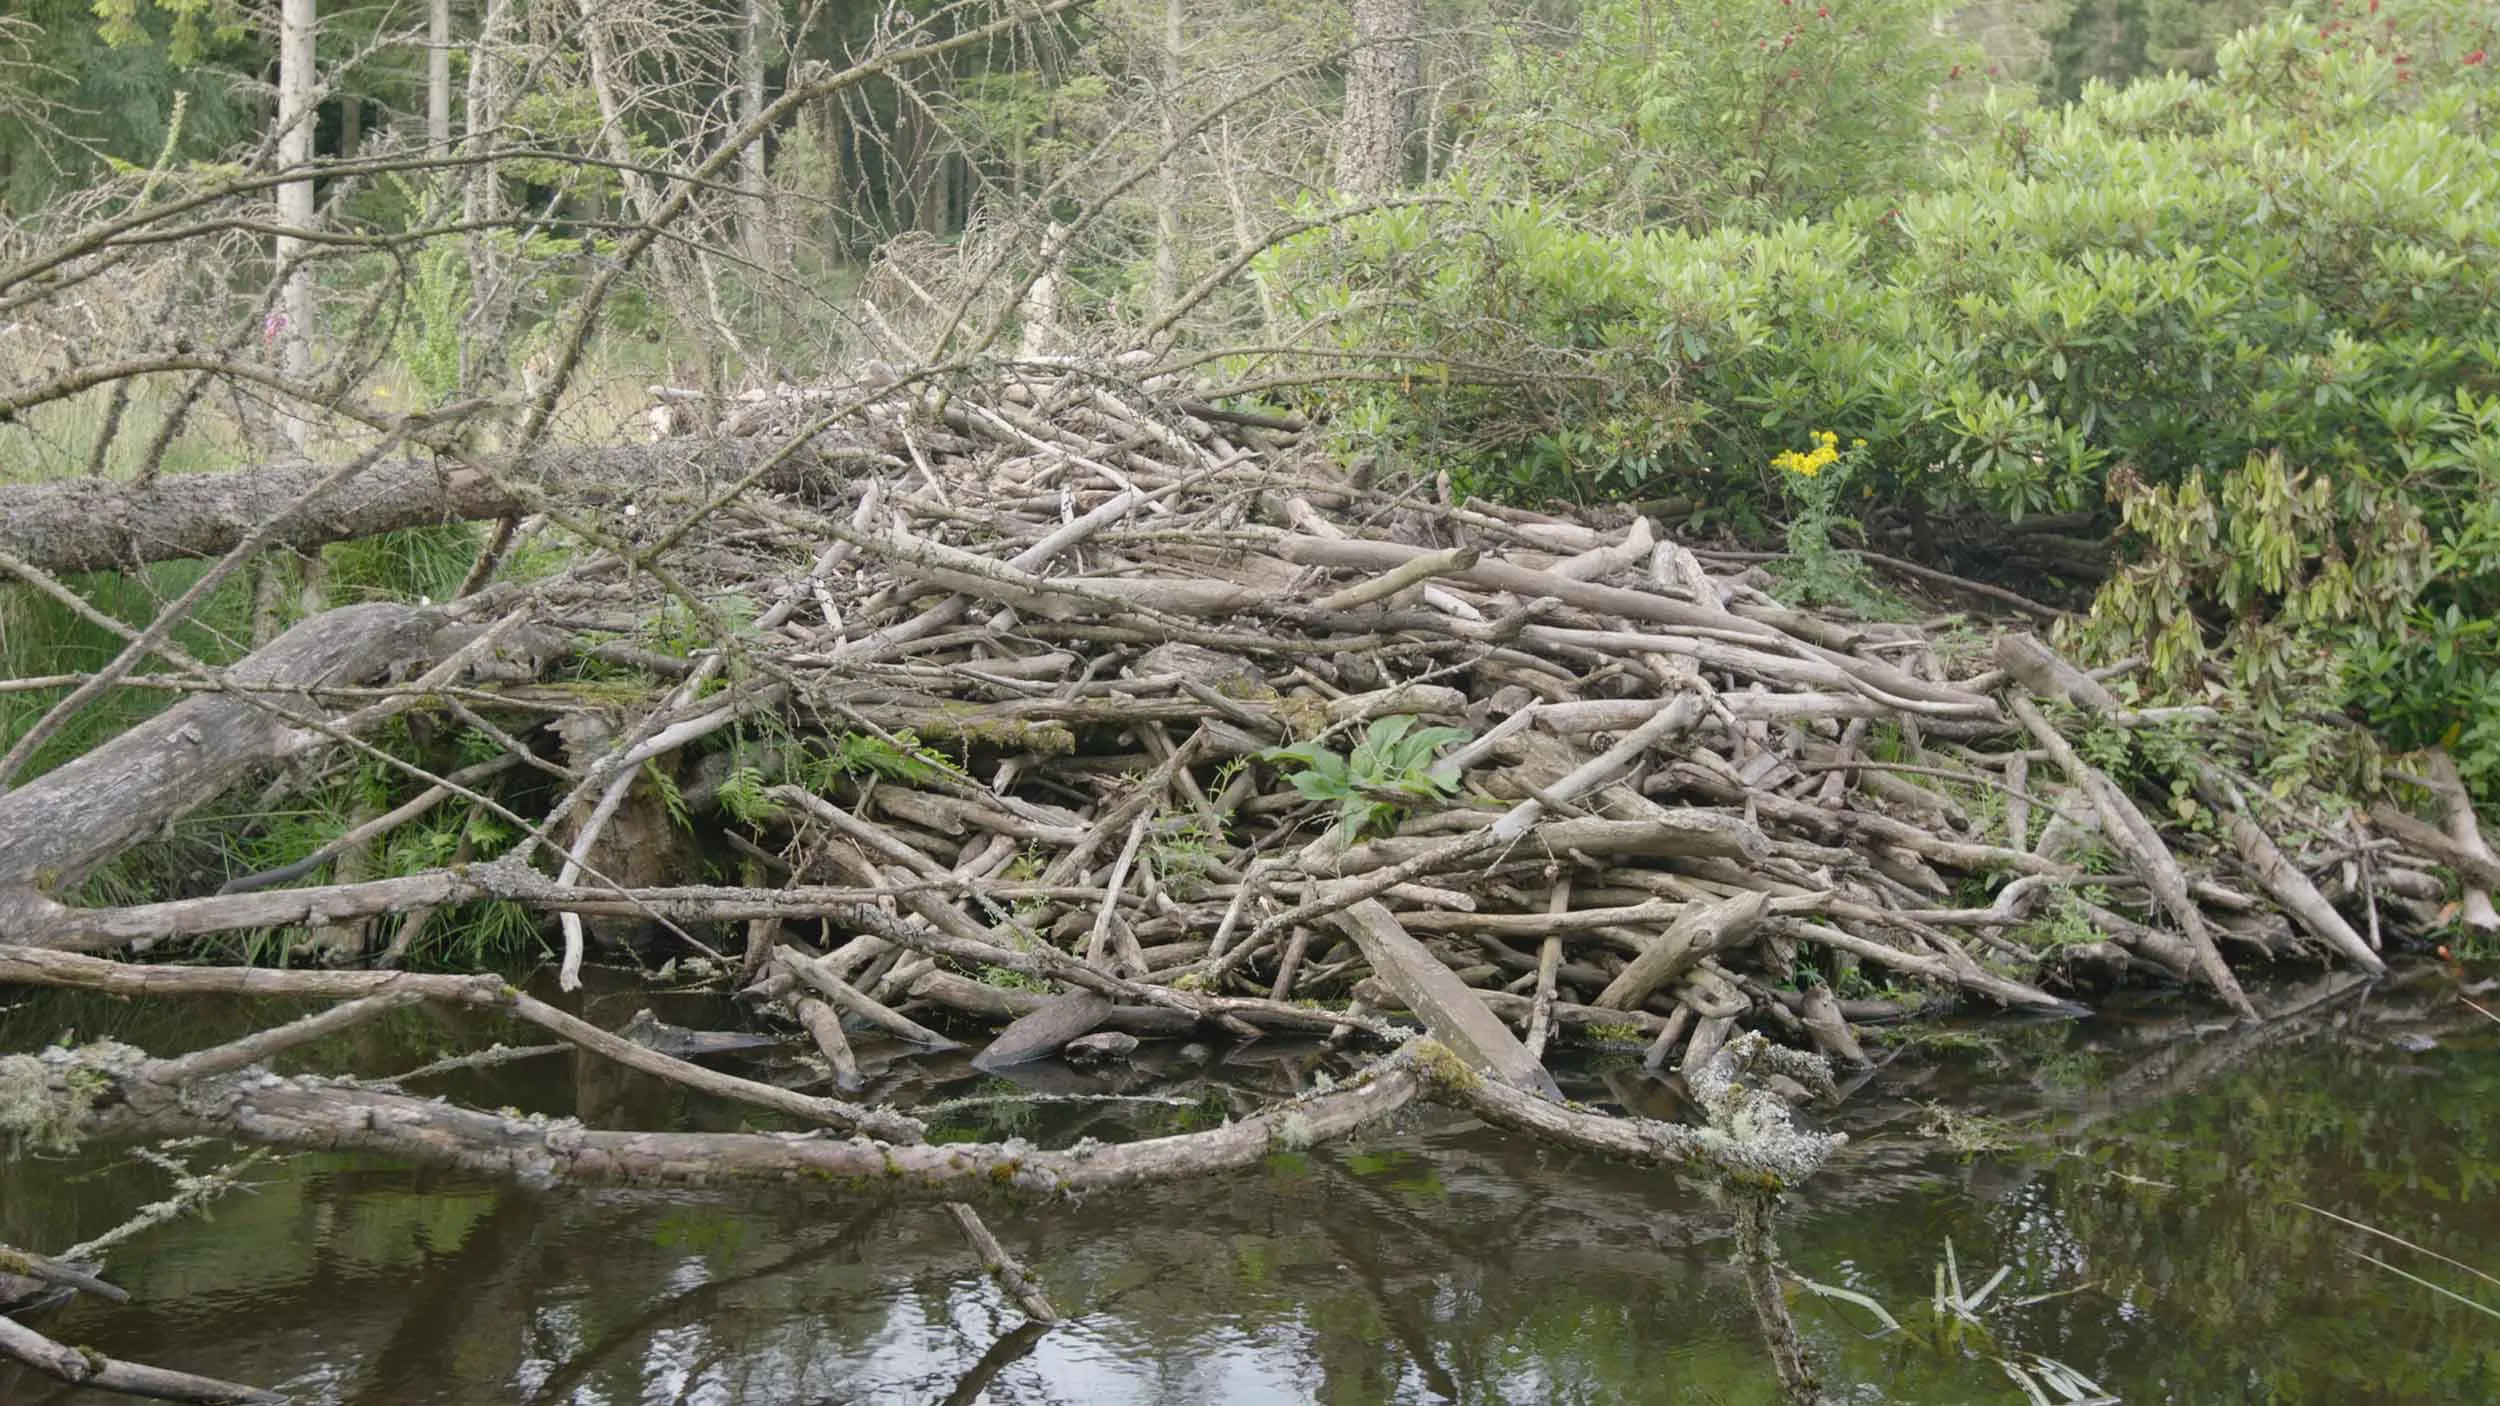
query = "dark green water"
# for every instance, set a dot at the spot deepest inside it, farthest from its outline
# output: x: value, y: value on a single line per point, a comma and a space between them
x: 2155, y: 1191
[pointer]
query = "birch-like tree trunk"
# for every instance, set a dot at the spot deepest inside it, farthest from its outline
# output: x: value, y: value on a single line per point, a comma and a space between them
x: 755, y: 213
x: 483, y: 201
x: 438, y: 76
x: 1379, y: 96
x: 297, y: 92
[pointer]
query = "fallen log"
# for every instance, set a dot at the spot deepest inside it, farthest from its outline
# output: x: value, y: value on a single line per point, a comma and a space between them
x: 96, y: 524
x: 58, y: 827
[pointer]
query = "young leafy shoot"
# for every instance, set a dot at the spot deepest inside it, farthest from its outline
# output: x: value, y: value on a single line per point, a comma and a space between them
x: 1391, y: 768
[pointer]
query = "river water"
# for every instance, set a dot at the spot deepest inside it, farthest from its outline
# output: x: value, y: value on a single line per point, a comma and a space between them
x: 2143, y: 1176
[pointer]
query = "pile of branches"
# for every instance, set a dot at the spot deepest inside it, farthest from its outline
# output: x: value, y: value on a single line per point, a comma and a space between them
x: 1062, y: 713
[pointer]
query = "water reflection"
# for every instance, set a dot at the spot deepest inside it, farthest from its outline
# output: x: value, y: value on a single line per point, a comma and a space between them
x: 2155, y: 1197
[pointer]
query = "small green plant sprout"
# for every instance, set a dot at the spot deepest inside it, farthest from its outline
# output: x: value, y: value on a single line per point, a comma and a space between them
x: 1390, y: 769
x: 1954, y: 1325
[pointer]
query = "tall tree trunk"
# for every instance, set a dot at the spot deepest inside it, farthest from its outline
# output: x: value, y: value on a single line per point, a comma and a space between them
x: 755, y: 215
x: 1167, y: 270
x: 297, y: 92
x: 438, y: 76
x: 1379, y: 96
x: 484, y: 198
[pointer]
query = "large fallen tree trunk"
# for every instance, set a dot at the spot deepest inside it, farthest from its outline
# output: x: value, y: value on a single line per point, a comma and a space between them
x: 57, y: 828
x: 96, y: 524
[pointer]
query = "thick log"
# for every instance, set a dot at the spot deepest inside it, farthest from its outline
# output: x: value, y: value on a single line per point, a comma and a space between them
x: 58, y: 827
x: 1045, y: 1030
x: 88, y: 524
x: 316, y: 1113
x: 1703, y: 928
x: 1452, y: 1012
x: 2435, y: 844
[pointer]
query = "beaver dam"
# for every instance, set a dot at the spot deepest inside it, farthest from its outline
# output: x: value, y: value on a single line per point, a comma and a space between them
x: 1056, y: 720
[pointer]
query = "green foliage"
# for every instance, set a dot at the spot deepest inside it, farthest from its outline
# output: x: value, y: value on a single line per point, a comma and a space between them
x: 1698, y: 115
x: 897, y: 757
x: 2064, y: 919
x: 1009, y: 979
x: 41, y: 638
x: 195, y: 25
x: 1391, y: 768
x: 1186, y: 854
x: 430, y: 340
x: 745, y: 797
x: 2258, y: 313
x: 672, y: 799
x: 2117, y: 41
x: 1816, y: 569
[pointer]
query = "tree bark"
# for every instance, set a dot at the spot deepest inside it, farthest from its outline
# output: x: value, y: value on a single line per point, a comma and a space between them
x: 58, y: 827
x: 71, y: 525
x: 1379, y: 96
x: 438, y: 76
x: 1167, y: 264
x: 755, y: 221
x: 483, y: 201
x: 297, y: 91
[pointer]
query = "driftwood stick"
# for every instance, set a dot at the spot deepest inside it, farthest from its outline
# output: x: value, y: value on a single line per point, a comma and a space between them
x: 58, y: 1274
x: 824, y: 1026
x: 257, y: 1048
x: 1703, y: 929
x: 1455, y: 1015
x: 89, y: 1368
x: 1002, y: 1266
x: 1398, y: 578
x: 1548, y: 963
x: 2126, y: 827
x: 1098, y: 946
x: 860, y: 1003
x: 42, y: 967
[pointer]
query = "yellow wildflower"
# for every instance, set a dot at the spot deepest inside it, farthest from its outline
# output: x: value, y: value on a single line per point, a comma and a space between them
x: 1807, y: 465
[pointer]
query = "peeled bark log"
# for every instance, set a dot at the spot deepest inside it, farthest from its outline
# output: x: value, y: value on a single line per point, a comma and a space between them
x: 1045, y: 1030
x: 1702, y: 929
x: 1452, y: 1012
x: 61, y: 825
